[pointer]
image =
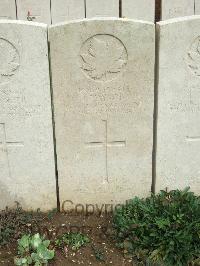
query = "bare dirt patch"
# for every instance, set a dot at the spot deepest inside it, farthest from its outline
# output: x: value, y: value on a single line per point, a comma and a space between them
x: 100, y: 251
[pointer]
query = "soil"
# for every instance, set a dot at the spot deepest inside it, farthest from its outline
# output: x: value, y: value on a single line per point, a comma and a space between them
x: 98, y: 229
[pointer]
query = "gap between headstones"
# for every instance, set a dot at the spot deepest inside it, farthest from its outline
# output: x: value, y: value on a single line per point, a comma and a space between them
x: 155, y: 116
x: 53, y: 124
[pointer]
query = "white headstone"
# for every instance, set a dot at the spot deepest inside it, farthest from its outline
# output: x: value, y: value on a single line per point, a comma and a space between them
x: 197, y: 7
x: 139, y: 9
x: 176, y: 8
x: 178, y: 138
x: 103, y: 86
x: 103, y: 8
x: 34, y: 10
x: 64, y: 10
x: 27, y: 170
x: 7, y: 9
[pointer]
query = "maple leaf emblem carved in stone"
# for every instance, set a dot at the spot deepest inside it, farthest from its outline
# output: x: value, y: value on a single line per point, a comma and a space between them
x: 193, y: 58
x: 9, y: 58
x: 103, y: 57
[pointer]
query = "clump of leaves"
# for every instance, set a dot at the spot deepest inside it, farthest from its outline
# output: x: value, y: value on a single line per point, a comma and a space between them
x: 163, y: 228
x: 33, y: 250
x: 99, y: 254
x: 73, y: 240
x: 16, y: 222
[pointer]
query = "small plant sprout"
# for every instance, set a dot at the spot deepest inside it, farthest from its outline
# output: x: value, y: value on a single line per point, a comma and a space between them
x: 73, y: 240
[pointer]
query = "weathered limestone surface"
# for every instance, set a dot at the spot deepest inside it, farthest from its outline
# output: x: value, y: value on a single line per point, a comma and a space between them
x: 7, y: 9
x: 139, y: 9
x: 35, y: 10
x: 64, y: 10
x: 27, y: 170
x: 197, y: 7
x: 103, y: 86
x: 177, y: 8
x: 103, y: 8
x: 178, y: 144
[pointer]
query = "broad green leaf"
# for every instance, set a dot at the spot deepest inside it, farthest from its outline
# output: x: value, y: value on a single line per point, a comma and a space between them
x: 36, y: 241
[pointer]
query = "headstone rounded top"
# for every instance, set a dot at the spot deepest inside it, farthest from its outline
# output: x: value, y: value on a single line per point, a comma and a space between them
x: 23, y: 22
x: 100, y: 19
x: 178, y: 20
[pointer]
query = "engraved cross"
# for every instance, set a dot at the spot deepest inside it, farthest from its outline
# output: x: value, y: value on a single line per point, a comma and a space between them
x: 5, y: 17
x: 5, y: 145
x: 193, y: 139
x: 106, y: 145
